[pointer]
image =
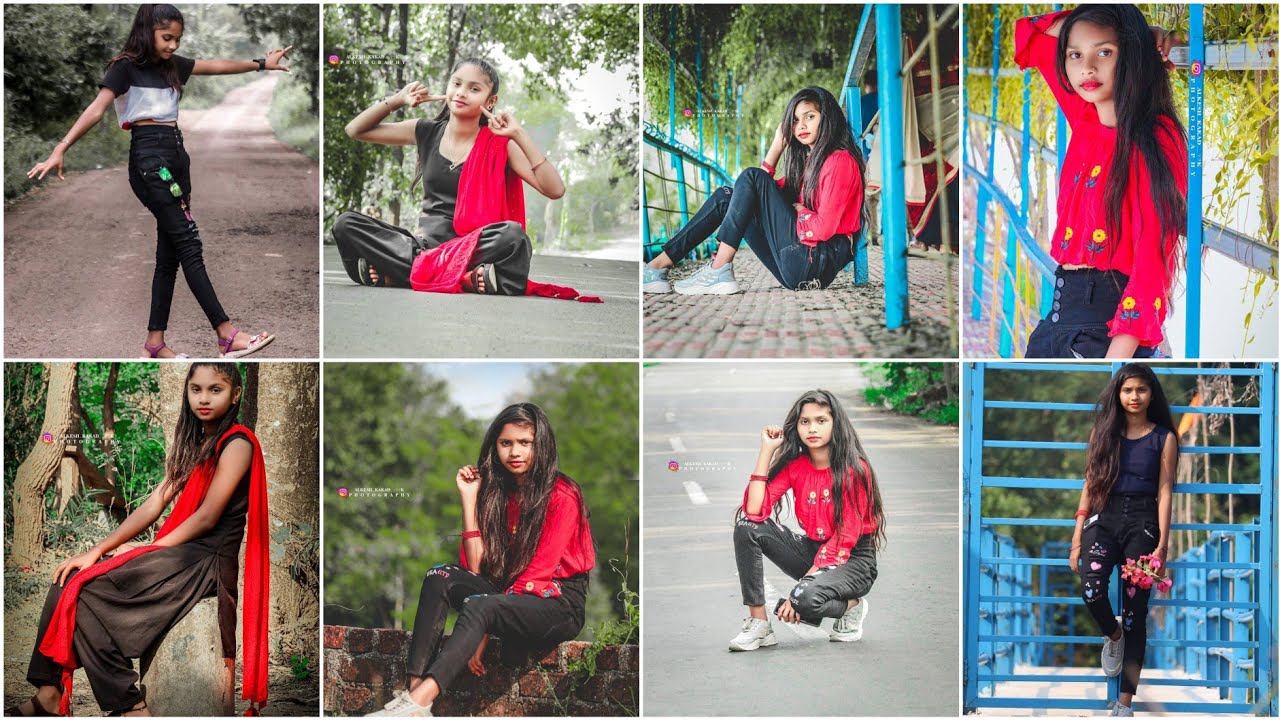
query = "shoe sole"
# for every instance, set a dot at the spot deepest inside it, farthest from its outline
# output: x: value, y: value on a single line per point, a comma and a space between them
x: 717, y: 289
x: 768, y: 641
x: 852, y: 637
x: 657, y: 287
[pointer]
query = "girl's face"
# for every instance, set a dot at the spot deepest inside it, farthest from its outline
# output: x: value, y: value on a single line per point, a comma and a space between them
x: 1135, y: 396
x: 469, y: 90
x: 209, y: 394
x: 807, y: 120
x: 515, y: 448
x: 166, y: 39
x: 814, y: 426
x: 1091, y: 61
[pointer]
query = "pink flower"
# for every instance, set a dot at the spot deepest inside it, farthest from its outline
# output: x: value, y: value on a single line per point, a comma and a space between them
x: 1145, y: 582
x: 1164, y: 585
x: 1155, y: 562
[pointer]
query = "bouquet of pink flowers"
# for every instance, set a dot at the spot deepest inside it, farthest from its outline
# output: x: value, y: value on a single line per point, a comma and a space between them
x: 1143, y: 573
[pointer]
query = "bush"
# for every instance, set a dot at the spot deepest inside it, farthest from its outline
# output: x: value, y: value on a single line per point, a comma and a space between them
x: 292, y: 120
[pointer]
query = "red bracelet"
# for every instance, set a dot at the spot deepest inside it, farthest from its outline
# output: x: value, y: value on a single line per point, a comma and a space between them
x: 1081, y: 513
x: 468, y: 534
x: 765, y: 478
x: 767, y: 167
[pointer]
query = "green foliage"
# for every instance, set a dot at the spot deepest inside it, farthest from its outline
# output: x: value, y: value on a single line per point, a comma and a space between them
x: 300, y: 667
x: 927, y: 390
x: 594, y: 154
x: 283, y: 25
x: 293, y: 120
x: 392, y: 429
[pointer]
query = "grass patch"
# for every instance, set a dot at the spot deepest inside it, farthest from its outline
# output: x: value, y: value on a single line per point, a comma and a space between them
x: 918, y: 389
x: 292, y: 120
x: 103, y: 146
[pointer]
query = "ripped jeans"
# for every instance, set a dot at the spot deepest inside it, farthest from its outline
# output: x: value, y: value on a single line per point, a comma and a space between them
x: 1127, y: 528
x: 826, y: 593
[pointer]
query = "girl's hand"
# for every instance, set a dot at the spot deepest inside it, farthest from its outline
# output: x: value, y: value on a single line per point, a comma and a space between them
x: 70, y: 565
x: 1162, y: 552
x: 1166, y: 41
x: 475, y: 664
x: 779, y: 138
x: 787, y: 614
x: 771, y: 437
x: 502, y: 123
x: 53, y: 163
x: 468, y: 482
x: 275, y: 56
x: 121, y: 549
x: 1075, y: 559
x: 414, y: 94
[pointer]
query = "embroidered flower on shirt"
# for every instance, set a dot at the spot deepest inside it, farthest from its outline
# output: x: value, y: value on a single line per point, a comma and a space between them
x: 1093, y: 176
x: 1129, y: 311
x: 1066, y: 237
x: 1099, y: 237
x: 1157, y: 303
x: 813, y: 497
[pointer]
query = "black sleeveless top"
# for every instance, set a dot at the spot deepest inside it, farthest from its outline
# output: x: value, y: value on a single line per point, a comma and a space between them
x: 439, y: 184
x: 1140, y: 464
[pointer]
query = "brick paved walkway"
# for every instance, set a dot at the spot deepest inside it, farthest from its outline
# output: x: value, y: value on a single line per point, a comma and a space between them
x: 768, y: 321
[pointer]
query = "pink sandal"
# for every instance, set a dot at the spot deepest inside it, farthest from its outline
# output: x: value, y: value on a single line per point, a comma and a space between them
x: 153, y: 352
x: 257, y: 343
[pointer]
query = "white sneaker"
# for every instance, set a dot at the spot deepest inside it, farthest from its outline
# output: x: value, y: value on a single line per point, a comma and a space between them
x: 755, y: 634
x: 402, y: 705
x: 848, y: 627
x: 1113, y: 654
x: 1118, y: 710
x: 708, y: 281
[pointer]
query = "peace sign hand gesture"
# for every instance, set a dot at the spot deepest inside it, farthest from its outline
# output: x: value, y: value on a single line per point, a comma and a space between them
x: 275, y: 56
x: 415, y: 94
x: 502, y: 123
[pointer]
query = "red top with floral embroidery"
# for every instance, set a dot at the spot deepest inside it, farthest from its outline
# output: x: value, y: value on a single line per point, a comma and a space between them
x: 837, y: 204
x: 815, y: 510
x: 564, y: 550
x: 1080, y: 237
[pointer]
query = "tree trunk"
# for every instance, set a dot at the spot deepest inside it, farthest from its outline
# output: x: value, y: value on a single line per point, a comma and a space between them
x: 172, y: 378
x: 249, y: 397
x: 397, y: 151
x: 36, y: 471
x: 289, y: 430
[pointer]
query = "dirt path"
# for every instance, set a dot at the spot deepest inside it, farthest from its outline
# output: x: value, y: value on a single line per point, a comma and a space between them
x: 79, y: 254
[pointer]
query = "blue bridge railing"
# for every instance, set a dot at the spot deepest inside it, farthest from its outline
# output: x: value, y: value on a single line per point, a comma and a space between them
x: 1218, y: 624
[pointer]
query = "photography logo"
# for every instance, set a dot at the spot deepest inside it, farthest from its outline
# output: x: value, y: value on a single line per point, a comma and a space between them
x: 688, y: 112
x: 47, y: 438
x: 333, y: 60
x: 343, y: 492
x: 673, y: 465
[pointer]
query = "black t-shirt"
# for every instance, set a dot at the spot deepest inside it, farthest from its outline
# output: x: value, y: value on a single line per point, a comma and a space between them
x: 439, y: 184
x: 142, y: 91
x: 1140, y: 463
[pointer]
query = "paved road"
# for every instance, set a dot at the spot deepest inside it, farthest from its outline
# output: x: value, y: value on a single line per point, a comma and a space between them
x: 1150, y: 698
x: 707, y: 416
x: 79, y: 253
x: 390, y: 322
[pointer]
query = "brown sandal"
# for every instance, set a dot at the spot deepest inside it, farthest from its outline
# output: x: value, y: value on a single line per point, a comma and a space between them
x: 480, y: 280
x: 39, y: 711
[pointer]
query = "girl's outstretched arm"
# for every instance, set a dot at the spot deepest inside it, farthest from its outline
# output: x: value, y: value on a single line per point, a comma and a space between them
x: 234, y: 462
x: 1083, y: 508
x: 91, y: 116
x: 368, y: 125
x: 532, y: 165
x: 235, y: 67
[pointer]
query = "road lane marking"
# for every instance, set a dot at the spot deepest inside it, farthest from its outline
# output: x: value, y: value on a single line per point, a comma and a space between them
x: 694, y: 490
x: 677, y: 445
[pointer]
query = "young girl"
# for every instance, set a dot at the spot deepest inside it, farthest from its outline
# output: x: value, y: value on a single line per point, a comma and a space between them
x: 1124, y: 513
x: 802, y: 227
x: 818, y: 457
x: 522, y: 571
x: 1122, y: 197
x: 145, y: 81
x: 471, y: 160
x: 117, y: 607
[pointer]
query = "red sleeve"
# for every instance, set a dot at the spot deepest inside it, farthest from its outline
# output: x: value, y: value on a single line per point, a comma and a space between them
x: 1144, y: 304
x: 462, y: 557
x: 558, y: 530
x: 1033, y: 48
x: 773, y: 490
x: 838, y: 185
x: 855, y: 508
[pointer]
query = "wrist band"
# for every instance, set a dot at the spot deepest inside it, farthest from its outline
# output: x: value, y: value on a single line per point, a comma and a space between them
x: 767, y: 167
x: 535, y: 165
x: 761, y: 478
x: 1081, y: 513
x: 468, y: 534
x: 262, y: 64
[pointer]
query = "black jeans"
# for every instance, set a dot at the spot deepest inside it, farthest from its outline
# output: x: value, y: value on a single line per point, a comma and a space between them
x: 755, y: 210
x: 1127, y: 528
x: 482, y: 607
x: 152, y: 148
x: 825, y: 594
x: 391, y: 250
x: 1084, y: 301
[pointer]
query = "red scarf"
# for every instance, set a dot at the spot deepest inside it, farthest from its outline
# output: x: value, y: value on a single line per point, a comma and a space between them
x: 489, y: 191
x: 255, y: 603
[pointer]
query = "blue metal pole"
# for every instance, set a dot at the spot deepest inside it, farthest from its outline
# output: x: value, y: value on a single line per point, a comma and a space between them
x: 677, y: 163
x: 973, y: 394
x: 980, y: 240
x: 1060, y: 137
x: 893, y: 204
x: 706, y: 171
x: 1195, y: 176
x: 1265, y: 625
x: 644, y: 217
x: 737, y: 158
x: 853, y: 104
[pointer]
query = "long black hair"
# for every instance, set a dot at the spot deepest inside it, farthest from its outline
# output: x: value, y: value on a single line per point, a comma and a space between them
x: 140, y: 47
x: 846, y: 455
x: 803, y: 164
x: 491, y: 72
x: 506, y: 555
x: 1142, y: 95
x: 192, y: 444
x: 1103, y: 467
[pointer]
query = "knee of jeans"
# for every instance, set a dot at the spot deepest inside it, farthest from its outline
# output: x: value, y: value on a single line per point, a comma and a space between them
x: 752, y: 175
x: 478, y: 608
x: 745, y: 531
x: 1094, y: 588
x: 510, y: 233
x: 722, y: 194
x: 807, y: 598
x: 437, y: 580
x: 342, y: 226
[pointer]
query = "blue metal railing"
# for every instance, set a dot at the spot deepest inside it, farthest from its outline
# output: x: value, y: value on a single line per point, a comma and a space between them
x: 880, y: 26
x: 1218, y: 624
x: 1024, y: 283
